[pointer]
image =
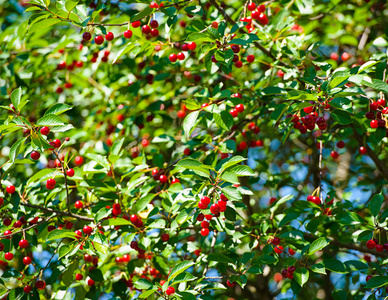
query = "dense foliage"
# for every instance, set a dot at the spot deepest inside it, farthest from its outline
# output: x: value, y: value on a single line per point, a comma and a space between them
x: 191, y: 149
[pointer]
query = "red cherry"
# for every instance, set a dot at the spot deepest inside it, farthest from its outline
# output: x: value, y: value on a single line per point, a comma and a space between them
x: 243, y: 145
x: 109, y: 36
x: 205, y: 200
x: 56, y: 143
x: 181, y: 114
x: 181, y: 56
x: 90, y: 282
x: 136, y: 24
x: 10, y: 189
x: 291, y: 251
x: 27, y: 260
x: 27, y: 289
x: 345, y: 56
x: 60, y: 66
x: 173, y: 57
x: 240, y: 108
x: 341, y: 144
x: 214, y: 208
x: 374, y: 124
x: 79, y: 276
x: 275, y: 241
x: 261, y: 8
x: 238, y: 64
x: 70, y: 172
x: 215, y: 24
x: 163, y: 179
x: 381, y: 102
x: 87, y: 229
x: 79, y: 160
x: 379, y: 248
x: 187, y: 151
x: 154, y: 32
x: 363, y: 150
x: 263, y: 19
x: 291, y: 269
x: 233, y: 112
x: 35, y: 155
x: 154, y: 24
x: 334, y: 154
x: 205, y: 224
x: 250, y: 58
x: 23, y: 243
x: 230, y: 284
x: 170, y: 290
x: 371, y: 244
x: 251, y: 6
x: 204, y: 231
x: 45, y: 130
x: 78, y: 205
x: 192, y: 46
x: 128, y: 34
x: 202, y: 205
x: 99, y: 39
x: 86, y: 36
x: 373, y: 105
x: 134, y: 219
x: 368, y: 277
x: 278, y: 249
x: 8, y: 256
x: 146, y: 29
x: 165, y: 237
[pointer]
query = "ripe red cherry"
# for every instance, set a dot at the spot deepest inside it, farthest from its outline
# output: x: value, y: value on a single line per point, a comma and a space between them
x: 233, y: 112
x: 223, y: 198
x: 154, y: 32
x: 243, y: 145
x: 204, y: 231
x: 99, y: 39
x: 250, y: 58
x: 341, y: 144
x: 379, y: 248
x: 90, y: 282
x: 240, y: 108
x: 79, y: 160
x: 27, y: 289
x: 2, y: 247
x: 291, y: 269
x: 78, y: 205
x: 230, y: 284
x: 181, y: 56
x: 238, y: 64
x: 27, y: 260
x: 35, y: 155
x: 45, y: 130
x: 373, y: 105
x: 165, y: 237
x: 374, y: 124
x: 128, y: 34
x: 173, y: 57
x: 251, y: 6
x: 381, y: 102
x: 79, y: 276
x: 60, y: 66
x: 109, y: 36
x: 205, y: 224
x: 334, y: 154
x: 187, y: 151
x: 146, y: 29
x: 87, y: 229
x: 170, y: 290
x: 10, y: 189
x: 205, y: 200
x: 8, y: 256
x: 70, y: 172
x: 51, y: 182
x: 345, y: 56
x: 215, y: 24
x: 134, y: 219
x: 371, y: 244
x: 363, y: 150
x: 263, y: 19
x: 86, y: 36
x: 202, y: 205
x: 154, y: 24
x: 278, y: 249
x: 192, y: 46
x: 23, y: 243
x: 261, y: 8
x: 275, y: 241
x: 214, y: 208
x: 291, y: 251
x: 163, y: 178
x: 56, y: 143
x: 181, y: 114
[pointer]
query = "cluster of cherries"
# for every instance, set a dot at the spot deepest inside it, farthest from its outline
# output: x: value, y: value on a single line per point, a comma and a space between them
x: 239, y: 108
x: 377, y: 109
x: 181, y: 56
x: 257, y: 13
x: 308, y: 122
x: 289, y: 272
x: 215, y: 209
x: 237, y: 62
x: 252, y: 144
x: 373, y: 244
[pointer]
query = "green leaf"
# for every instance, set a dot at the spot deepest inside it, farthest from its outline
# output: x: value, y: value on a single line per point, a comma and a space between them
x: 58, y: 108
x: 318, y: 268
x: 96, y: 275
x: 15, y: 149
x: 334, y: 265
x: 192, y: 164
x: 223, y: 120
x: 143, y: 284
x: 180, y: 268
x: 317, y: 245
x: 50, y: 120
x: 116, y: 222
x: 376, y: 281
x: 183, y: 277
x: 147, y: 294
x: 338, y: 78
x: 243, y: 171
x: 70, y: 4
x: 38, y: 26
x: 68, y: 275
x: 231, y: 162
x: 341, y: 117
x: 39, y: 176
x: 219, y: 257
x: 190, y: 122
x: 144, y: 13
x: 375, y: 204
x: 60, y: 234
x: 16, y: 97
x: 117, y: 147
x: 301, y: 276
x: 198, y: 36
x: 144, y: 201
